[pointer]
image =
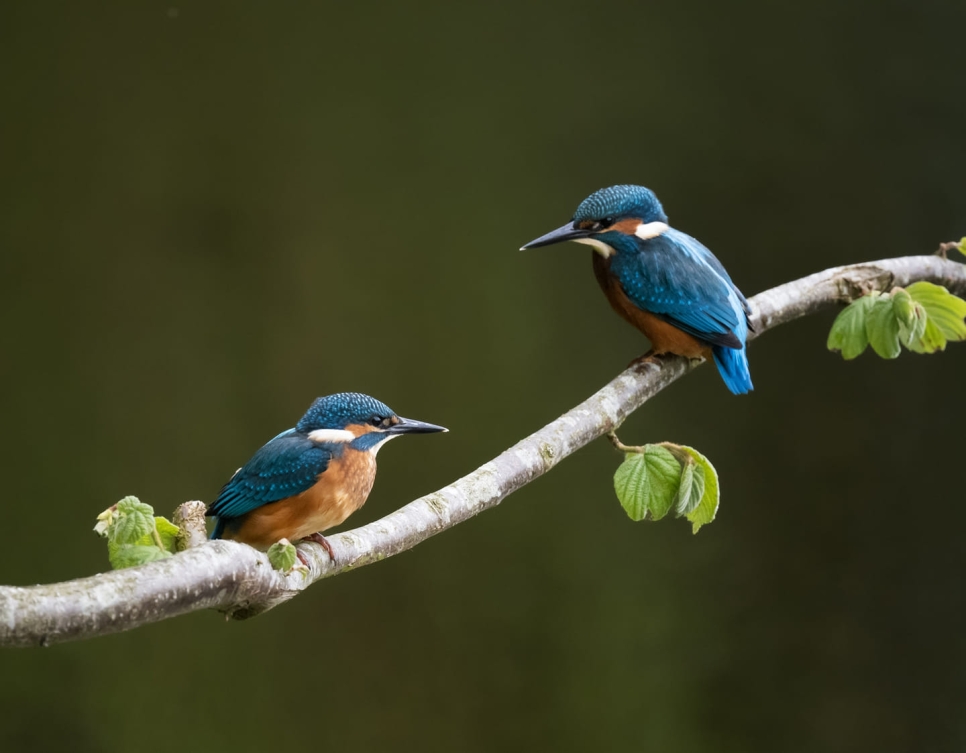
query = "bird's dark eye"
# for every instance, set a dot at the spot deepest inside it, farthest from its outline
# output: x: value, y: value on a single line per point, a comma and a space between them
x: 383, y: 422
x: 602, y: 224
x: 376, y: 420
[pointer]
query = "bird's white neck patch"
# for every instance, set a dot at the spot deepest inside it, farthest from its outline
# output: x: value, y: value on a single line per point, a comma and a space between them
x: 376, y: 447
x: 647, y: 230
x: 331, y: 435
x: 599, y: 246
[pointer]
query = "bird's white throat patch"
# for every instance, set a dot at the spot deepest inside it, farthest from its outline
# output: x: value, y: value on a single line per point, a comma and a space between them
x: 647, y: 230
x: 331, y: 435
x: 378, y: 446
x: 599, y: 246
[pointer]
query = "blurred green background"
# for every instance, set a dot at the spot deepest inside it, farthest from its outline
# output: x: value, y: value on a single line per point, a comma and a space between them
x: 212, y: 213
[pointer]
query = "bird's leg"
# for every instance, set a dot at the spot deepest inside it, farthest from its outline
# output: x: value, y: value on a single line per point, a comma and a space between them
x: 650, y: 357
x: 323, y: 542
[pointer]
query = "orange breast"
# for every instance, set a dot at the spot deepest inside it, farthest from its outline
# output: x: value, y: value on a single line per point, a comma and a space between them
x: 664, y: 337
x: 339, y: 492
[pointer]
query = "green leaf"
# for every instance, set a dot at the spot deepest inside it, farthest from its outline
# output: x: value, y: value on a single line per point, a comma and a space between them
x: 134, y: 534
x: 707, y: 507
x: 931, y: 340
x: 942, y: 307
x: 913, y: 327
x: 167, y: 539
x: 691, y: 489
x: 882, y: 327
x: 962, y: 246
x: 129, y: 555
x: 168, y: 532
x: 902, y: 305
x: 848, y: 333
x: 283, y: 555
x: 647, y: 482
x: 135, y: 521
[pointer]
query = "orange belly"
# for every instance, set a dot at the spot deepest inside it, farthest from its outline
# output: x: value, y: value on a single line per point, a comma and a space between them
x: 341, y: 490
x: 664, y: 337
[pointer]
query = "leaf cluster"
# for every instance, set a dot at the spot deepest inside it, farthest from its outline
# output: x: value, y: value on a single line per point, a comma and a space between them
x: 657, y: 479
x: 134, y: 534
x: 923, y: 317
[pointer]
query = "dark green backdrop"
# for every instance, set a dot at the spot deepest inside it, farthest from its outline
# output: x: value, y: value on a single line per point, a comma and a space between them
x: 213, y: 213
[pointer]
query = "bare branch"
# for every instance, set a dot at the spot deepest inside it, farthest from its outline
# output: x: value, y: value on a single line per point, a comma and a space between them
x: 238, y: 580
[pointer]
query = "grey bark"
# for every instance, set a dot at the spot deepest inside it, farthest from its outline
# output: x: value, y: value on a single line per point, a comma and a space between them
x: 239, y: 581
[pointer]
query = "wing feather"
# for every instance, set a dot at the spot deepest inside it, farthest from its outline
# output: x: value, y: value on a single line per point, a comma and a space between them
x: 286, y: 466
x: 678, y: 279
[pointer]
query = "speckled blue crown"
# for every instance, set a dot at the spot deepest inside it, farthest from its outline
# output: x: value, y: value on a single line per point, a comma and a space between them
x: 617, y: 202
x: 342, y: 409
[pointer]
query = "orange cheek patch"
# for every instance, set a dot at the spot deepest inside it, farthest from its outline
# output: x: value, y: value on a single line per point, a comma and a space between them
x: 627, y: 227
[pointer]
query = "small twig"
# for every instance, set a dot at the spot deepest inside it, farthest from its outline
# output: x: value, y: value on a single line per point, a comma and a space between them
x: 945, y: 248
x: 612, y: 436
x: 190, y: 519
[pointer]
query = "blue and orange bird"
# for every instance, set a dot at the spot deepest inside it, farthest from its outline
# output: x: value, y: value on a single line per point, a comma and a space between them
x: 662, y: 281
x: 312, y: 477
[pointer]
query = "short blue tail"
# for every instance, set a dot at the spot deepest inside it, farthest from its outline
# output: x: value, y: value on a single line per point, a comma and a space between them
x: 733, y: 366
x: 219, y: 529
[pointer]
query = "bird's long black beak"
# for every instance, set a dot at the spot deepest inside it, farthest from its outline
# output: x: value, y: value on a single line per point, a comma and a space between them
x: 412, y: 426
x: 566, y: 233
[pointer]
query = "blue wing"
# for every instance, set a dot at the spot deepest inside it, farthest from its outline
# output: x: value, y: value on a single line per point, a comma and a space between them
x: 681, y: 281
x: 286, y: 466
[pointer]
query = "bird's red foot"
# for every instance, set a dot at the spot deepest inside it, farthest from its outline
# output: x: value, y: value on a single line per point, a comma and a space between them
x: 301, y: 558
x: 649, y: 357
x: 323, y: 542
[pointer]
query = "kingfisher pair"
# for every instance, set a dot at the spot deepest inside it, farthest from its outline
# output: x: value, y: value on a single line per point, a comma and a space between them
x: 665, y: 283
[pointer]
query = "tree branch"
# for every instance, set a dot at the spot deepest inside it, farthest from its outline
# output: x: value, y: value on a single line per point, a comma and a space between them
x: 238, y: 580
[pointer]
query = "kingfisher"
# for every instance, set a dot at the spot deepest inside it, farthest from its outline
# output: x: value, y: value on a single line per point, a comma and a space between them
x: 661, y: 280
x: 311, y: 477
